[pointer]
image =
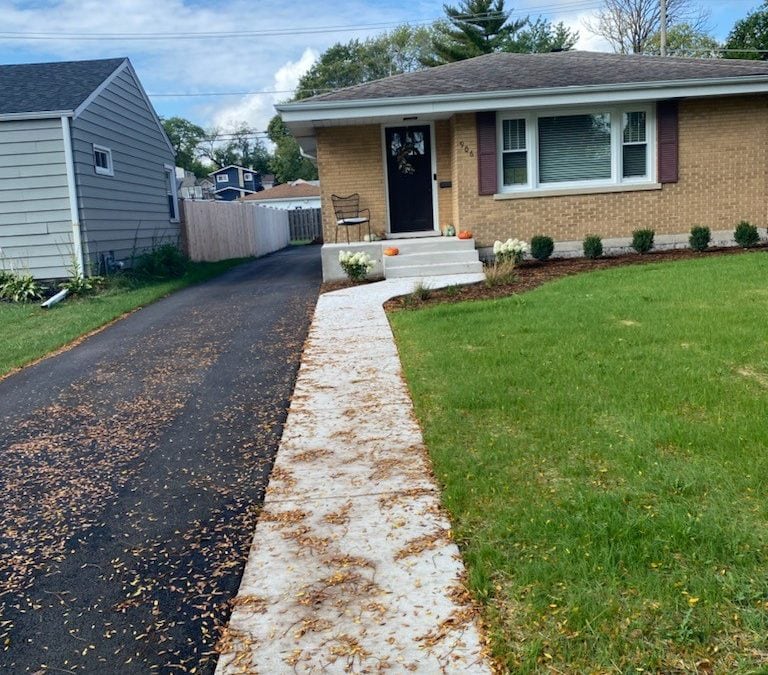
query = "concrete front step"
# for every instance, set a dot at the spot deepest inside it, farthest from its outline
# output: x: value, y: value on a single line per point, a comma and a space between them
x: 430, y: 258
x: 408, y: 246
x: 436, y: 269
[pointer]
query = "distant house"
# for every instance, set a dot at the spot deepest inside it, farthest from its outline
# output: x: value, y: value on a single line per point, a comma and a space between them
x: 192, y: 187
x: 87, y: 173
x: 233, y: 182
x: 299, y: 194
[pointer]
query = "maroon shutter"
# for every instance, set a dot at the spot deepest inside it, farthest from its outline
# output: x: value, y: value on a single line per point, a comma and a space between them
x: 666, y: 116
x: 486, y: 153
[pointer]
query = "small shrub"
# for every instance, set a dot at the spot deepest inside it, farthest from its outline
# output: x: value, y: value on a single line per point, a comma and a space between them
x: 421, y: 292
x: 20, y: 288
x: 164, y: 262
x: 511, y: 250
x: 593, y: 246
x: 500, y: 273
x: 642, y: 240
x: 542, y: 247
x: 355, y: 265
x: 452, y: 291
x: 700, y: 238
x: 80, y: 285
x: 746, y: 235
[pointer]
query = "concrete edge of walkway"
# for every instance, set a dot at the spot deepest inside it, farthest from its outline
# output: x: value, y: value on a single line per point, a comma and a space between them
x: 353, y: 567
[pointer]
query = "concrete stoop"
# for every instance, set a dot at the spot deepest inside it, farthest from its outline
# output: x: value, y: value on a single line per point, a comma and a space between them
x: 437, y: 256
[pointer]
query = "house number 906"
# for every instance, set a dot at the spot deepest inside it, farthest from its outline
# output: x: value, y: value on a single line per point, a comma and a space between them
x: 462, y: 144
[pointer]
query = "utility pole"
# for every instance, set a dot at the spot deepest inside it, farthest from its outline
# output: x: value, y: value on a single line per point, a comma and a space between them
x: 663, y: 27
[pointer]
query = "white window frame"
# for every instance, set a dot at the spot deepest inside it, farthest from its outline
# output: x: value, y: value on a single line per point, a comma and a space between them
x: 170, y: 180
x: 222, y: 178
x: 616, y: 180
x: 247, y: 176
x: 100, y: 170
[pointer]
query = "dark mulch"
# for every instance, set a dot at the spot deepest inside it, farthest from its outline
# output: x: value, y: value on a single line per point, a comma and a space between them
x: 533, y: 273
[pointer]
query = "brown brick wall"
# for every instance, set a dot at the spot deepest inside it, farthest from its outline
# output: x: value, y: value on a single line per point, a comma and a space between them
x: 723, y: 179
x: 723, y: 147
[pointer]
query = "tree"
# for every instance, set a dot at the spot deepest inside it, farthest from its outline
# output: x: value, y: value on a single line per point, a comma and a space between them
x: 241, y: 147
x: 749, y: 34
x: 287, y: 162
x: 355, y: 62
x: 473, y: 28
x: 629, y: 25
x: 685, y: 40
x: 542, y: 36
x: 186, y: 137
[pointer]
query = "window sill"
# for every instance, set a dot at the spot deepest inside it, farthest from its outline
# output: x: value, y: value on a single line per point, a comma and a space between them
x: 564, y: 192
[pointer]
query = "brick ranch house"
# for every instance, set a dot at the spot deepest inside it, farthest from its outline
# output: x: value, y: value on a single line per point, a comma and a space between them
x: 564, y: 144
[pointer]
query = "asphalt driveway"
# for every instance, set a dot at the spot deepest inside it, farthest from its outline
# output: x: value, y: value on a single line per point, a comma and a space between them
x: 132, y: 468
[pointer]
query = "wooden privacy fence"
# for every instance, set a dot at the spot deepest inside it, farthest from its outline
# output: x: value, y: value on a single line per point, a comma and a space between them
x: 305, y: 224
x: 221, y: 230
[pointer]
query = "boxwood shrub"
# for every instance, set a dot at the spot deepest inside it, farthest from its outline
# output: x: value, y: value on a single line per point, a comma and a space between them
x: 746, y: 235
x: 542, y: 247
x: 700, y: 238
x: 642, y: 240
x: 593, y: 246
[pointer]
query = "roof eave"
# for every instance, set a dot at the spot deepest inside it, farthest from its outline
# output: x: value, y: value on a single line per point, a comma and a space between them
x: 318, y: 111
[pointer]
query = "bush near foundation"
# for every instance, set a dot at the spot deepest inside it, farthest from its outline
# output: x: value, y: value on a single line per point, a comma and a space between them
x: 746, y: 235
x: 593, y: 246
x: 700, y: 238
x: 642, y: 240
x: 542, y: 247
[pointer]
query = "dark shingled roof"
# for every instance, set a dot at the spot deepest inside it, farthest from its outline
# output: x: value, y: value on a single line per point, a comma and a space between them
x: 509, y: 72
x: 40, y: 87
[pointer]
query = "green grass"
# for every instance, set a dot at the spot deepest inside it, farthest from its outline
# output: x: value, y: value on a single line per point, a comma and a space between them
x: 28, y: 332
x: 603, y: 448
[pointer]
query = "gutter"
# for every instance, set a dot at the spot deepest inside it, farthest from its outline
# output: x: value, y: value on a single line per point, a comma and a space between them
x: 40, y: 115
x: 77, y: 241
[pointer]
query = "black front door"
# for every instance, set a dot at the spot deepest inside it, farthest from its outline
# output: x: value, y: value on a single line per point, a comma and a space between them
x: 409, y: 178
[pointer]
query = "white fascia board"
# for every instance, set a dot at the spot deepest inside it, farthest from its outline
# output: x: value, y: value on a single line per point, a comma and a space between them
x: 321, y: 111
x: 40, y: 115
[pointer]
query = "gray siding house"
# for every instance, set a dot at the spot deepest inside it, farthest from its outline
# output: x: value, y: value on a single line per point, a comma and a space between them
x: 86, y: 171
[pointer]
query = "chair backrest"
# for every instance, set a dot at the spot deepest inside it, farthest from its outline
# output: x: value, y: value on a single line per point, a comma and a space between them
x: 346, y: 207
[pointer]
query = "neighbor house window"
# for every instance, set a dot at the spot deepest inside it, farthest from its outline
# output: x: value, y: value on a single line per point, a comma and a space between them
x: 222, y: 178
x: 574, y: 149
x: 102, y: 160
x: 170, y: 189
x: 514, y: 161
x: 247, y: 176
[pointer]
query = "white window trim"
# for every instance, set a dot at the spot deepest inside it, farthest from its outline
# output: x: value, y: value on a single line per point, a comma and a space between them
x: 110, y: 170
x: 222, y: 178
x: 170, y: 179
x: 247, y: 176
x: 531, y: 118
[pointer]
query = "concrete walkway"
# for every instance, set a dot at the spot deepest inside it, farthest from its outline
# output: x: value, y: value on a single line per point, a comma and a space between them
x: 352, y: 567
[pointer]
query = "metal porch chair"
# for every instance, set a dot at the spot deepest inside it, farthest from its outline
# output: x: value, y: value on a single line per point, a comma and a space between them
x: 348, y: 214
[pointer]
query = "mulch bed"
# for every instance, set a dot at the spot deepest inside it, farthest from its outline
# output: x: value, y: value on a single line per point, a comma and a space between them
x: 532, y: 273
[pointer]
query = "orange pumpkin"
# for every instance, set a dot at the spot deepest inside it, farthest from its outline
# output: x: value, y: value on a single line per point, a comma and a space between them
x: 465, y: 234
x: 391, y: 250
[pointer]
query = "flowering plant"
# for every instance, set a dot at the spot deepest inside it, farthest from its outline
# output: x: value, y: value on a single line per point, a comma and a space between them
x: 356, y: 265
x: 510, y: 250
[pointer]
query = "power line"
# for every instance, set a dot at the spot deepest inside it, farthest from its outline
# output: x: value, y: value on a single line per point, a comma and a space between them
x: 281, y: 32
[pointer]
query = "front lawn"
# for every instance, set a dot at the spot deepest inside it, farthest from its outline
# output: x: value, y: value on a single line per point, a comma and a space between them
x: 28, y: 332
x: 603, y: 448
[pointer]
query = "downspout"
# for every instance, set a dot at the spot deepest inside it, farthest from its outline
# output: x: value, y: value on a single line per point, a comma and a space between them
x: 77, y: 241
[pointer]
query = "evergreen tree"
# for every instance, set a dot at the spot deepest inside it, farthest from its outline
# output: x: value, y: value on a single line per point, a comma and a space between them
x: 473, y: 28
x: 749, y: 34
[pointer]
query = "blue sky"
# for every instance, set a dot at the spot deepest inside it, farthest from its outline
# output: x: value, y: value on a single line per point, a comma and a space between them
x: 47, y: 30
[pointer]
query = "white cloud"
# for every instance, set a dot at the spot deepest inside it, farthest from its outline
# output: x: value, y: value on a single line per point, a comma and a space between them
x: 256, y: 110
